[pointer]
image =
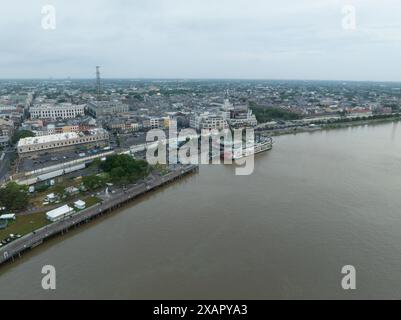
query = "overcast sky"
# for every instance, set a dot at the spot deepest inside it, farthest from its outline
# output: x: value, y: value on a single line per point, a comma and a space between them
x: 281, y: 39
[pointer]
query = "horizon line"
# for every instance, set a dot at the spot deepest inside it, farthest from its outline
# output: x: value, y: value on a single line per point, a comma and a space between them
x: 195, y: 79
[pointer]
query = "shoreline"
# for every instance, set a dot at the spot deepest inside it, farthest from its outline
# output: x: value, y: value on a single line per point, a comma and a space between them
x: 333, y: 126
x: 30, y: 241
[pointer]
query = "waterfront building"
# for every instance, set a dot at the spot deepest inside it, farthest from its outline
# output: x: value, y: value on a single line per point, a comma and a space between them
x: 208, y: 121
x: 63, y: 141
x: 59, y: 213
x: 242, y: 117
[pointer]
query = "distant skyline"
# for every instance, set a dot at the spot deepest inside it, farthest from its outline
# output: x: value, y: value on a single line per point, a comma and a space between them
x: 202, y: 39
x: 93, y: 79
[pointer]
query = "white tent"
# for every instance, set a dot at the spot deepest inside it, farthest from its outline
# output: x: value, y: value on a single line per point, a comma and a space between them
x: 51, y: 197
x: 80, y: 205
x: 8, y: 217
x: 59, y: 213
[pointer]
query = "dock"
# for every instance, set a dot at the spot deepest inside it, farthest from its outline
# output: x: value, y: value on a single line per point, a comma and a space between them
x: 16, y: 248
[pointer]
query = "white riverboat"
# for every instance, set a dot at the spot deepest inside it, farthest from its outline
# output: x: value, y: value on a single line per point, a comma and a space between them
x: 245, y: 149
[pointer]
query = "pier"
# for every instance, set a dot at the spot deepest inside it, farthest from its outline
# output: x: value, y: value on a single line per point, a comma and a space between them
x: 16, y: 248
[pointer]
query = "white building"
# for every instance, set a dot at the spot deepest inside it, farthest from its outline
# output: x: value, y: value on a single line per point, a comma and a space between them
x: 238, y: 116
x: 57, y: 111
x: 10, y: 216
x: 8, y: 107
x: 51, y: 197
x: 57, y: 142
x: 242, y: 118
x: 60, y: 213
x: 80, y: 205
x: 207, y: 121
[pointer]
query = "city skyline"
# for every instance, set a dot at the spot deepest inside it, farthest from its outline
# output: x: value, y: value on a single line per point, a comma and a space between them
x: 195, y: 79
x: 258, y: 40
x: 227, y: 151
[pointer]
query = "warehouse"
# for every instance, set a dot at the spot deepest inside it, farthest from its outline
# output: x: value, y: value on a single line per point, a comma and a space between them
x: 62, y: 141
x: 60, y: 213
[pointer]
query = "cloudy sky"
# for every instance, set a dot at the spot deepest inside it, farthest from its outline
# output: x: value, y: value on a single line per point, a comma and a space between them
x: 280, y: 39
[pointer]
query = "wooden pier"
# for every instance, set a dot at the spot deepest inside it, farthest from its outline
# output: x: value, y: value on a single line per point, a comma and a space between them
x: 16, y: 248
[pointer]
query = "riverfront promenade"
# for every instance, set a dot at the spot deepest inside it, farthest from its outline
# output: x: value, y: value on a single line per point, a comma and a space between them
x: 29, y: 241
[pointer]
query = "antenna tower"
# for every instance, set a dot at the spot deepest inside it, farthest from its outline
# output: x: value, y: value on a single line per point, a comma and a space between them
x: 98, y: 88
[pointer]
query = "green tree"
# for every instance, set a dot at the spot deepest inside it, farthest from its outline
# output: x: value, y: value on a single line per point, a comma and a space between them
x: 94, y: 182
x: 14, y: 197
x: 22, y: 134
x: 125, y: 169
x: 264, y: 114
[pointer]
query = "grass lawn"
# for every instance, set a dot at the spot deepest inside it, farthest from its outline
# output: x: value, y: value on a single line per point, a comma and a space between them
x: 37, y: 199
x: 25, y: 224
x: 162, y: 169
x: 91, y: 201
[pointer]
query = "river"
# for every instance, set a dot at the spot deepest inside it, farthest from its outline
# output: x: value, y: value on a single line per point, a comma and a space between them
x: 315, y: 203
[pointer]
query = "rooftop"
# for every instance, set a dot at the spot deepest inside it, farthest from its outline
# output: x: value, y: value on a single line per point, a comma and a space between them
x: 56, y: 137
x: 51, y: 106
x: 49, y: 138
x: 59, y: 211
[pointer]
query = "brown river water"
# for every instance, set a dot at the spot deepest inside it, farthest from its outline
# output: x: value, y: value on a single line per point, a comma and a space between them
x: 316, y: 202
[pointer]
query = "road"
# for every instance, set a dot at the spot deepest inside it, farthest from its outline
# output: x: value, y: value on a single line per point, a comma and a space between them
x: 5, y: 165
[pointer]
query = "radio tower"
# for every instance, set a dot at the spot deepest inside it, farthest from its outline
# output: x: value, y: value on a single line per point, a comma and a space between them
x: 98, y: 82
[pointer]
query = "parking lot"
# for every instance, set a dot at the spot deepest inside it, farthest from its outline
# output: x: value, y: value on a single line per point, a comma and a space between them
x: 127, y: 140
x: 36, y: 161
x: 50, y: 158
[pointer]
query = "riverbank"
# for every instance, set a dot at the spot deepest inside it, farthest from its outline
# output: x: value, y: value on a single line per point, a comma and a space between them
x: 32, y: 240
x: 331, y: 126
x: 315, y: 203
